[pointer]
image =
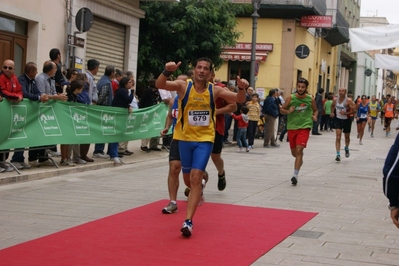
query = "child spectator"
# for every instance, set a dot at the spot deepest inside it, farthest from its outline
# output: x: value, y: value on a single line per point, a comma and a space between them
x: 72, y: 91
x: 242, y: 123
x: 253, y: 115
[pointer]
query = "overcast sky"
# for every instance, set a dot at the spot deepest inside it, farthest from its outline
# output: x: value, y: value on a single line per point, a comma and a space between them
x: 380, y: 8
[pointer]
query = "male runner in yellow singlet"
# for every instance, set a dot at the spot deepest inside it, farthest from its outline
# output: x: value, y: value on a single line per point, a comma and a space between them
x: 195, y: 127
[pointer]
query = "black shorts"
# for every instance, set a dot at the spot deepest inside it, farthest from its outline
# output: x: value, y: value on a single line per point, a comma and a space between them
x: 387, y: 121
x: 361, y: 120
x: 217, y: 144
x: 343, y: 124
x: 174, y: 154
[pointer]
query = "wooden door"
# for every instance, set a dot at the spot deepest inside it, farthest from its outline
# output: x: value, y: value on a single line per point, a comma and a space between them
x: 6, y: 48
x: 13, y: 46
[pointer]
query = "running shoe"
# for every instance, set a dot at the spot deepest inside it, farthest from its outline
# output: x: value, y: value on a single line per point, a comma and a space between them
x: 358, y: 136
x: 360, y: 142
x: 187, y: 228
x: 67, y: 162
x: 369, y: 128
x: 222, y: 182
x: 26, y: 165
x: 17, y: 165
x: 294, y: 180
x: 100, y: 155
x: 46, y: 163
x: 117, y: 160
x: 171, y: 208
x: 145, y: 148
x: 53, y: 153
x: 338, y: 158
x: 372, y: 135
x: 6, y: 167
x: 79, y: 160
x: 347, y: 154
x: 186, y: 191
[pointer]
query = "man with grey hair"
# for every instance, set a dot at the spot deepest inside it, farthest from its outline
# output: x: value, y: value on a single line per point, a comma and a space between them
x: 46, y: 84
x: 92, y: 69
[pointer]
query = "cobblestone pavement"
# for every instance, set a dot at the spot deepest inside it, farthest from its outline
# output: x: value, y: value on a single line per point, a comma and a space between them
x: 352, y: 227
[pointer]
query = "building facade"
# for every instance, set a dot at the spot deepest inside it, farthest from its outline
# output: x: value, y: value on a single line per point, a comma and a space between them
x: 30, y: 29
x: 297, y: 49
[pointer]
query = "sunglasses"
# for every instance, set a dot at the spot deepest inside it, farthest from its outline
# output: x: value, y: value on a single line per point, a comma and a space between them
x: 9, y: 68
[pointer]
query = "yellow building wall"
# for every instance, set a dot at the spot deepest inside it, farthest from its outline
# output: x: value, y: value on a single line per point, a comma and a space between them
x: 305, y: 65
x: 270, y: 31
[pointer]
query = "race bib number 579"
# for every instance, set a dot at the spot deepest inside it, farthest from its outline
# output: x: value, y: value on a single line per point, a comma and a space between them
x: 198, y: 118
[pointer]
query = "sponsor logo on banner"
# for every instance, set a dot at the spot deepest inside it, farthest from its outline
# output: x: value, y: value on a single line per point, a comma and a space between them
x: 108, y: 123
x: 143, y: 126
x: 157, y: 121
x: 80, y: 120
x: 48, y: 121
x: 18, y: 114
x: 130, y: 123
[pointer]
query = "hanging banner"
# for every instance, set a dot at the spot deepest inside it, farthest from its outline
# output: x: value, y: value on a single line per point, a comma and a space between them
x: 31, y: 124
x: 374, y: 38
x: 385, y: 61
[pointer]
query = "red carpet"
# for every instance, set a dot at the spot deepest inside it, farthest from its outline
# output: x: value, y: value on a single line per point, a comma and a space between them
x: 222, y: 235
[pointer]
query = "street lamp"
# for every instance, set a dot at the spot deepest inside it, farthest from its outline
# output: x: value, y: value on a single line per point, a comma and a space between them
x: 255, y: 16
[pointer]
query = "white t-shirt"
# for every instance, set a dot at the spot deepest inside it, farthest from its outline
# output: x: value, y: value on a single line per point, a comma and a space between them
x: 165, y: 94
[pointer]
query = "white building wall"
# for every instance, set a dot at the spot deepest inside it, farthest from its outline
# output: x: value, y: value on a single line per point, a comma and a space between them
x: 365, y: 84
x: 47, y: 25
x: 46, y: 28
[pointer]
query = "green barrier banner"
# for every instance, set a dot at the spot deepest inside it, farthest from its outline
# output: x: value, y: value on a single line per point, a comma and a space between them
x: 31, y: 124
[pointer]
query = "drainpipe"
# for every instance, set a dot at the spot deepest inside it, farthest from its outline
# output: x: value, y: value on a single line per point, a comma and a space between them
x: 69, y: 4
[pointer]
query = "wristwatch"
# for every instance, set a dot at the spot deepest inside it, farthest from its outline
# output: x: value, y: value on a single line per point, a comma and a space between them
x: 391, y: 208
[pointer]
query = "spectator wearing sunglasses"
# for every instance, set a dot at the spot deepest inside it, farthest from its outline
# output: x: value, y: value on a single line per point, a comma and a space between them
x: 9, y: 84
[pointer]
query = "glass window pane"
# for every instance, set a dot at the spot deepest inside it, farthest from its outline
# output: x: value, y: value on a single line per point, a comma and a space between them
x: 18, y: 59
x: 13, y: 25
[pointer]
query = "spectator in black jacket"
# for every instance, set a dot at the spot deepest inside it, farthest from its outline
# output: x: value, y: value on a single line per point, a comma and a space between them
x: 391, y: 180
x: 319, y: 104
x: 121, y: 99
x: 28, y: 84
x: 31, y: 92
x: 55, y: 56
x: 271, y: 111
x: 150, y: 97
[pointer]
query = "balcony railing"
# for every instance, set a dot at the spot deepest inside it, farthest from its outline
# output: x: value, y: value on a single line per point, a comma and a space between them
x: 289, y: 8
x: 319, y: 5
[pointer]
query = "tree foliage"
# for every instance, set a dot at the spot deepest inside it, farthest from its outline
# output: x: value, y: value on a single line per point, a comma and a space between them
x: 185, y: 31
